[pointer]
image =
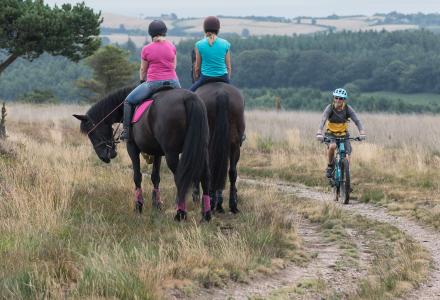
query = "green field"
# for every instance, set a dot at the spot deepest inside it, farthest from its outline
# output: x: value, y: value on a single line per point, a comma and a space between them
x: 422, y: 98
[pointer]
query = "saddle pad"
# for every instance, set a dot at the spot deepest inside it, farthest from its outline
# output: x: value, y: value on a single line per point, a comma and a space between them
x: 140, y: 110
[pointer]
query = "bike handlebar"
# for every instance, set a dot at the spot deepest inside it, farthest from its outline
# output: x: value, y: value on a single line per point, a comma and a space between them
x: 341, y: 139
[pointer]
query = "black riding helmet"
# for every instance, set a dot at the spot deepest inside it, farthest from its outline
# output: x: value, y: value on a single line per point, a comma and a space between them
x: 157, y: 27
x: 211, y: 24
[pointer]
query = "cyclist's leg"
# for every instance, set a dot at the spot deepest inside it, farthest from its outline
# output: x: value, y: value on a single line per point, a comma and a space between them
x: 348, y: 150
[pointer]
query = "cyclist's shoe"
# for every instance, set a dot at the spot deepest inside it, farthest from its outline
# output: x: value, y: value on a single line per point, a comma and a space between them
x: 329, y: 171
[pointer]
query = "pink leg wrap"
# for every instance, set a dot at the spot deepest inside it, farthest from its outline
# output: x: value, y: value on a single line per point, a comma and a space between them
x: 181, y: 205
x: 138, y: 195
x: 206, y: 203
x: 157, y: 191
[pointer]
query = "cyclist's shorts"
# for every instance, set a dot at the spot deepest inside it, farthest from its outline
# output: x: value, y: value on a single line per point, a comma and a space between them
x: 347, y: 142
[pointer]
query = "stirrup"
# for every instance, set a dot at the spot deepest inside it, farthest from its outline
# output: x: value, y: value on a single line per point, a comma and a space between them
x: 125, y: 135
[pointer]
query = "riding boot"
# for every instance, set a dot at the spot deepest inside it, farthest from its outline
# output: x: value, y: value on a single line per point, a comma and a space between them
x: 126, y: 121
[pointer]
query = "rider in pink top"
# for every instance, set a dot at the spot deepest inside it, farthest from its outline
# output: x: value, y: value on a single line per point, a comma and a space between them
x: 161, y: 58
x: 158, y: 69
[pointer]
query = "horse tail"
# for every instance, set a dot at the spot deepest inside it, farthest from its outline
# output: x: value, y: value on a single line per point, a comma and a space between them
x: 195, y: 147
x: 219, y: 144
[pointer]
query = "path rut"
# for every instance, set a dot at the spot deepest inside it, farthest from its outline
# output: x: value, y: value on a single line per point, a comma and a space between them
x: 425, y: 236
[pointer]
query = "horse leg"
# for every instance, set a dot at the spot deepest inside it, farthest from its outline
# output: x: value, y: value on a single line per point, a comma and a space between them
x: 219, y: 201
x: 196, y: 193
x: 134, y: 152
x: 155, y: 179
x: 206, y: 204
x: 172, y: 162
x: 233, y: 199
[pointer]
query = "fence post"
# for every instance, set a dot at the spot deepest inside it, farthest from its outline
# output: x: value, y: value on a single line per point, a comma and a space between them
x: 3, y: 122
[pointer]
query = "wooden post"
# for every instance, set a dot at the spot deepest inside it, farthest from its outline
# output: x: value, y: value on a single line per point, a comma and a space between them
x: 278, y: 103
x: 3, y: 122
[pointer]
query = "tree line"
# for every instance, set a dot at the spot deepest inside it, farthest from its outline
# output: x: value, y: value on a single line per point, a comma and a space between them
x: 401, y: 61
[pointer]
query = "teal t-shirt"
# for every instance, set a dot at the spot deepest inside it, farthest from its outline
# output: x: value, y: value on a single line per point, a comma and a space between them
x: 213, y: 57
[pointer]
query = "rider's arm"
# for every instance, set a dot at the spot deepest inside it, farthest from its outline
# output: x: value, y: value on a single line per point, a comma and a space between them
x: 324, y: 118
x: 352, y: 115
x: 143, y: 70
x: 197, y: 64
x: 228, y: 63
x: 175, y: 62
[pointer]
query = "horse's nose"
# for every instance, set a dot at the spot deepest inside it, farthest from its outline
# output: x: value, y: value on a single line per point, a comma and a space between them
x: 113, y: 153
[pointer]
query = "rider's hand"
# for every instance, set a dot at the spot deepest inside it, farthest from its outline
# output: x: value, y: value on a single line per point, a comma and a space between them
x: 319, y: 137
x: 141, y: 81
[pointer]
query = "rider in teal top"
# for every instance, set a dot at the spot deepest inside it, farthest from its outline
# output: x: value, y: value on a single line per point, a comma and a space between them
x: 213, y: 58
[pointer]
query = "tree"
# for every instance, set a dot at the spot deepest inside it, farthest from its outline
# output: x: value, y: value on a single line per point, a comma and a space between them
x: 30, y: 27
x: 111, y: 70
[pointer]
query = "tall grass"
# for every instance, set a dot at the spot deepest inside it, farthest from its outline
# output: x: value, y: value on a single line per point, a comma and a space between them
x: 67, y: 226
x: 400, y: 158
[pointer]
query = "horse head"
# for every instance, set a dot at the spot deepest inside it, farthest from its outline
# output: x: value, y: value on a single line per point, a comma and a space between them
x: 101, y: 137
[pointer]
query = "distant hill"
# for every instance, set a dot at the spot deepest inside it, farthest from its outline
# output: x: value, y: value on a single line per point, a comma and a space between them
x: 117, y: 29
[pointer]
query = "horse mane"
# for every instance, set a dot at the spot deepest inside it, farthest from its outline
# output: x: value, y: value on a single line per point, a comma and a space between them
x: 104, y: 106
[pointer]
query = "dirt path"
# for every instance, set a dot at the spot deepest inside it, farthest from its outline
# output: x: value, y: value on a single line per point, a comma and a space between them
x: 427, y: 237
x: 322, y: 267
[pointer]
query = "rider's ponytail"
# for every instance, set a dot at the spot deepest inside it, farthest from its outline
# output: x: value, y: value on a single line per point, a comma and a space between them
x: 211, y: 37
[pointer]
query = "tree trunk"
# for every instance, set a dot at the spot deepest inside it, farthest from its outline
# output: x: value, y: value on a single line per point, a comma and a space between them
x: 7, y: 62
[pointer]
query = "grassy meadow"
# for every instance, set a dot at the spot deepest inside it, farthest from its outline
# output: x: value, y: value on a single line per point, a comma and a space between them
x: 67, y: 226
x: 398, y: 166
x: 68, y: 230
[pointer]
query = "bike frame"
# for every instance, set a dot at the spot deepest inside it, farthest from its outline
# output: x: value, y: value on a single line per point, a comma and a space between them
x: 340, y: 154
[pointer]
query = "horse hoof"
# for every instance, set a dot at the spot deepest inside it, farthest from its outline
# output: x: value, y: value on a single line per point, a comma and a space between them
x: 180, y: 216
x: 157, y: 205
x: 207, y: 216
x: 139, y: 207
x: 219, y: 209
x: 235, y: 210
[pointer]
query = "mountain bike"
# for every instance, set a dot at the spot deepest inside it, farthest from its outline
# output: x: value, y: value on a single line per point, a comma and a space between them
x: 340, y: 179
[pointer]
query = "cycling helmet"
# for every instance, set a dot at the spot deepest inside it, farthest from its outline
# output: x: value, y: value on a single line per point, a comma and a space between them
x: 157, y: 27
x: 340, y: 93
x: 211, y: 24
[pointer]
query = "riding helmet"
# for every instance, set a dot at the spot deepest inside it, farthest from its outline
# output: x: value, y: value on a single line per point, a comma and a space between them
x: 157, y: 27
x: 211, y: 24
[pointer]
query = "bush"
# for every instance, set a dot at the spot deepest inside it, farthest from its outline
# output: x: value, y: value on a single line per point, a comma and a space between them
x: 40, y: 97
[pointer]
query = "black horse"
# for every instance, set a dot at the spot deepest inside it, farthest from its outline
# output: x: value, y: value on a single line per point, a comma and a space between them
x: 225, y: 106
x: 176, y: 123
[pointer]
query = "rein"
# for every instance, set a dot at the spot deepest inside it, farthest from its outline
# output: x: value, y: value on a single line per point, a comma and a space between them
x: 113, y: 141
x: 102, y: 120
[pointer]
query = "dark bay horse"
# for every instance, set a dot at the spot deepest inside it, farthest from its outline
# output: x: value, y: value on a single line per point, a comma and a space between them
x: 176, y: 123
x: 225, y: 106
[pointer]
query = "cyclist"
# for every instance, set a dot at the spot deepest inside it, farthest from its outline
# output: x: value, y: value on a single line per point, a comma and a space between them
x: 336, y: 117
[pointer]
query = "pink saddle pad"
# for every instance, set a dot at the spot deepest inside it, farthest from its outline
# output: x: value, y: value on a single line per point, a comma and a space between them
x: 140, y: 110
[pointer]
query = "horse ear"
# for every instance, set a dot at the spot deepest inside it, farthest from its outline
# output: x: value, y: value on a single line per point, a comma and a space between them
x: 81, y: 117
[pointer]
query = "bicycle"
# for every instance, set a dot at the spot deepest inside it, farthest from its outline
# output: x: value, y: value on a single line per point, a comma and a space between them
x: 340, y: 179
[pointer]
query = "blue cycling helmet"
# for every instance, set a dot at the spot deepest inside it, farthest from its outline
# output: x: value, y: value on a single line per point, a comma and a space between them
x: 340, y: 93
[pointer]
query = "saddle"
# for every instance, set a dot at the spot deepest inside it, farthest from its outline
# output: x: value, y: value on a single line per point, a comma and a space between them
x: 214, y: 79
x: 143, y: 107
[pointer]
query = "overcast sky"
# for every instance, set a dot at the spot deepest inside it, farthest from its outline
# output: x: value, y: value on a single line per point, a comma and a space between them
x: 283, y: 8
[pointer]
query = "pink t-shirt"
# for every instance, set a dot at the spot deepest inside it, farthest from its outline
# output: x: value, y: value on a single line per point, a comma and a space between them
x: 160, y: 57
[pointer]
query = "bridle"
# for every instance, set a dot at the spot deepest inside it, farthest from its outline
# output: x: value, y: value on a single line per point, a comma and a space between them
x: 109, y: 143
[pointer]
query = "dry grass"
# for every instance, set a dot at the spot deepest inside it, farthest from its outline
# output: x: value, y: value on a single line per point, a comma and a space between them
x: 231, y: 25
x: 67, y: 227
x: 114, y: 21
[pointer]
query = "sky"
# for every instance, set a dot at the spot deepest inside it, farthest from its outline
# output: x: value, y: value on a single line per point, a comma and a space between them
x: 279, y: 8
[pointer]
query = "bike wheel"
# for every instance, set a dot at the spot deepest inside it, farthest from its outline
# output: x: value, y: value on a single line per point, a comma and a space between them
x: 345, y: 182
